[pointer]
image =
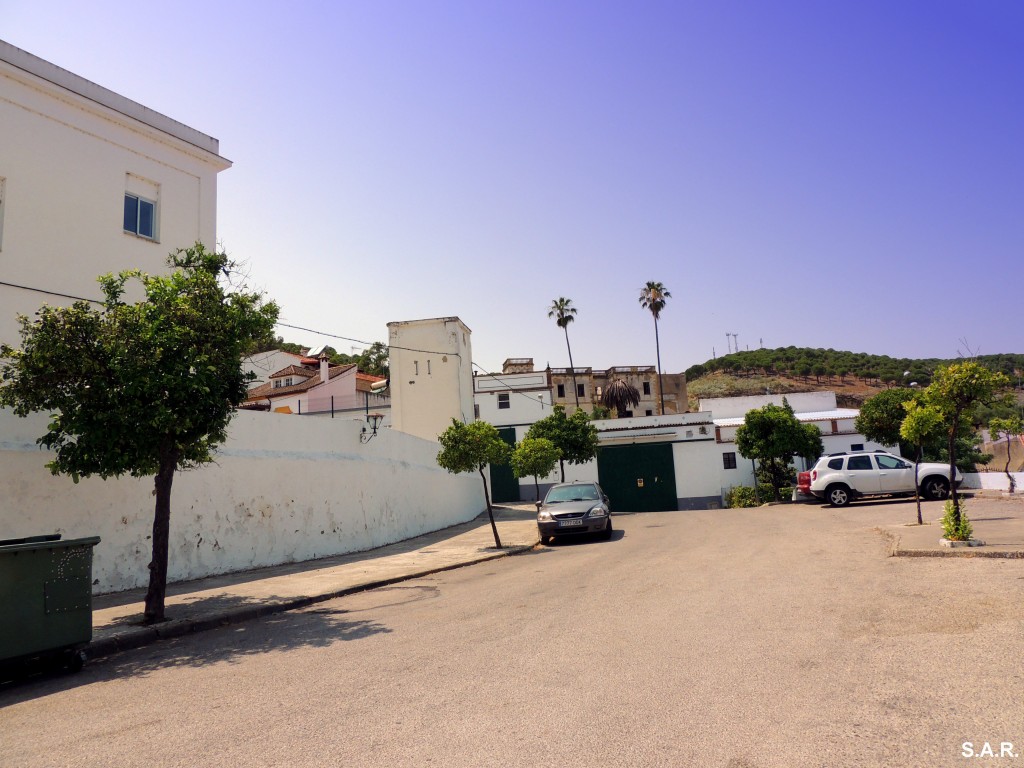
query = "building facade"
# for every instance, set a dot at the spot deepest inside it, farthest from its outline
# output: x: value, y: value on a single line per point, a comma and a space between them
x: 90, y: 183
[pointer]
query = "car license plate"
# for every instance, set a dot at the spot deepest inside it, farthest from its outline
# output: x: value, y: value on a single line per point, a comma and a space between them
x: 567, y: 523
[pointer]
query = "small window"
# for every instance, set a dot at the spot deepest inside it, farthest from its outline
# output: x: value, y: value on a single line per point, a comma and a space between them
x: 859, y: 463
x: 277, y: 383
x: 729, y: 460
x: 561, y: 390
x: 647, y: 387
x: 579, y: 390
x: 140, y: 216
x: 648, y: 412
x: 503, y: 401
x: 629, y: 414
x: 835, y: 464
x: 857, y: 447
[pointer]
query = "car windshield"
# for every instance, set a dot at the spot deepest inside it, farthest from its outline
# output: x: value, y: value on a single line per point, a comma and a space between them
x: 571, y: 493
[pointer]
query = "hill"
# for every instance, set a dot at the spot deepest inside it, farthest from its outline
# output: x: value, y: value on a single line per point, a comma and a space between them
x: 854, y: 376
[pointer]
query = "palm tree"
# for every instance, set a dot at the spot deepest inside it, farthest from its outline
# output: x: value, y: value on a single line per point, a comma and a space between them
x: 620, y: 395
x: 652, y: 297
x: 564, y: 313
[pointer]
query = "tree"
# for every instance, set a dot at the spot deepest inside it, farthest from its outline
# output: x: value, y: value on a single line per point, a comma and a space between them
x: 374, y: 360
x: 470, y: 448
x: 652, y: 297
x: 1008, y: 427
x: 955, y: 390
x: 574, y: 436
x: 920, y: 425
x: 773, y: 436
x: 536, y: 457
x: 141, y: 389
x: 880, y: 416
x: 620, y: 395
x: 564, y: 313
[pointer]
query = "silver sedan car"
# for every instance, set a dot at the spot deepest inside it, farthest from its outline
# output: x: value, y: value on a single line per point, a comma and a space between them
x: 571, y: 509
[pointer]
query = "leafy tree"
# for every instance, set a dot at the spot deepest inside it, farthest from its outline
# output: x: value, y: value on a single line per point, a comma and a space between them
x: 1009, y: 427
x: 140, y: 389
x: 374, y: 360
x: 881, y: 416
x: 955, y: 391
x: 921, y: 424
x: 599, y: 411
x: 773, y: 436
x: 564, y: 313
x: 470, y: 448
x: 652, y: 297
x: 535, y: 456
x: 620, y: 395
x: 574, y: 436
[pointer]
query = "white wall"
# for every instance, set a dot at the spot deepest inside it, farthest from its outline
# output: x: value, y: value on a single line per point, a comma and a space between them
x: 993, y: 481
x: 529, y: 398
x: 283, y: 489
x: 431, y: 366
x: 66, y: 160
x: 801, y: 402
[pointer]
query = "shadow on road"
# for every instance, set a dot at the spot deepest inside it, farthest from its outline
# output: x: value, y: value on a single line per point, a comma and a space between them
x: 313, y: 627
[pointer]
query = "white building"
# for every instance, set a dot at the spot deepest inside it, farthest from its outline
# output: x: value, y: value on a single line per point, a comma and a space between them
x: 90, y: 183
x: 431, y: 366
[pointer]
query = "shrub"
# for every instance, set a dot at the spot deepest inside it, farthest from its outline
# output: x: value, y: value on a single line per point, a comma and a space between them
x: 950, y: 529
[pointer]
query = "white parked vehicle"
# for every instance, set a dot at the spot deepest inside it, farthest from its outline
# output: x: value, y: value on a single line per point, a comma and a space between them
x: 839, y: 478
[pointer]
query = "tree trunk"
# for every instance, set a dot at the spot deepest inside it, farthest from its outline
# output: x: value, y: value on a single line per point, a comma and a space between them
x: 1009, y: 475
x: 952, y: 469
x: 657, y: 349
x: 572, y: 369
x: 154, y: 610
x: 490, y: 513
x: 561, y: 463
x: 917, y: 490
x: 536, y: 487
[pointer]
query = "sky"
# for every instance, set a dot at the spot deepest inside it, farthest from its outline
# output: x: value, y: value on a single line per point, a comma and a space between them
x: 843, y: 174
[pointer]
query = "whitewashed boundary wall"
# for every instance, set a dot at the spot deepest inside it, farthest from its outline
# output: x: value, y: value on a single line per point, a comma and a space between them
x: 992, y: 481
x: 283, y: 489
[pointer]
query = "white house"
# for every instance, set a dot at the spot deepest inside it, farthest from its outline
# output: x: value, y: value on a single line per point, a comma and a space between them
x: 90, y: 183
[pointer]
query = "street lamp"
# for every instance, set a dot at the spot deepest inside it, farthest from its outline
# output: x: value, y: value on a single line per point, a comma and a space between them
x: 373, y: 420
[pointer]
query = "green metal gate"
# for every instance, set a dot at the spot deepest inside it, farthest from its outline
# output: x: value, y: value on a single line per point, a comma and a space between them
x: 504, y: 485
x: 638, y: 478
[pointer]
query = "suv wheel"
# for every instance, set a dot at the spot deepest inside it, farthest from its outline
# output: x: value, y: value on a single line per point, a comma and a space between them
x: 838, y: 495
x: 935, y: 488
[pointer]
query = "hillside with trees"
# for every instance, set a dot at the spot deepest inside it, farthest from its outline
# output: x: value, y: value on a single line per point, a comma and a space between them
x: 854, y: 376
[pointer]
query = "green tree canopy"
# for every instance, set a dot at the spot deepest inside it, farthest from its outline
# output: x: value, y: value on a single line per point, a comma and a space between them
x: 921, y: 425
x: 470, y: 448
x: 574, y: 436
x: 535, y: 457
x: 881, y: 416
x: 142, y: 389
x: 773, y: 436
x: 955, y: 391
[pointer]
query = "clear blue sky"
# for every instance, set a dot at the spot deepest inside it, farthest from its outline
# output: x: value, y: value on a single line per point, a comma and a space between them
x: 834, y: 174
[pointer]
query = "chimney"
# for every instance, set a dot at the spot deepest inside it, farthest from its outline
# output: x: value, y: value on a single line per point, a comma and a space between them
x: 324, y: 368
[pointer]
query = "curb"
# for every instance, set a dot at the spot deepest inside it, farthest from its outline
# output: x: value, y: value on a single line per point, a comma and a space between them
x: 136, y: 637
x: 1014, y: 554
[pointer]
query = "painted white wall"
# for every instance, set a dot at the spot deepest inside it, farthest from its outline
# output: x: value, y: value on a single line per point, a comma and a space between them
x: 993, y: 481
x: 69, y: 152
x: 801, y: 402
x: 529, y: 398
x: 262, y: 364
x: 431, y: 365
x: 283, y: 489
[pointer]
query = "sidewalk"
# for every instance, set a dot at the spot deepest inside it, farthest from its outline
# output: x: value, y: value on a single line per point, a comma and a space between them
x: 997, y: 520
x: 203, y: 604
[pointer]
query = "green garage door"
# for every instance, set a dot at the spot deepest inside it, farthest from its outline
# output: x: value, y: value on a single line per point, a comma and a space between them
x: 504, y: 485
x: 638, y: 478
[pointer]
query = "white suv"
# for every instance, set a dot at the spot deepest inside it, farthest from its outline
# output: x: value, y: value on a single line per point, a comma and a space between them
x: 839, y: 478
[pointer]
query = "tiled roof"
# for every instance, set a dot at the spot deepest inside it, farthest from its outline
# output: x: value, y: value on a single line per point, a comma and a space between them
x: 295, y: 370
x: 265, y: 391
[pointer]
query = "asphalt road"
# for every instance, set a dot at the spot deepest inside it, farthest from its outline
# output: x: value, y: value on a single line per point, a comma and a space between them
x: 740, y: 638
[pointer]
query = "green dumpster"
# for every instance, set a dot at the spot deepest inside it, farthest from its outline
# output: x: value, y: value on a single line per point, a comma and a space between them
x: 45, y: 599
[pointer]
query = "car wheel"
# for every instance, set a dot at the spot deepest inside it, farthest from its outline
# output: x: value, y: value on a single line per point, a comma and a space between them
x: 838, y: 495
x: 606, y: 534
x: 935, y: 488
x: 545, y: 540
